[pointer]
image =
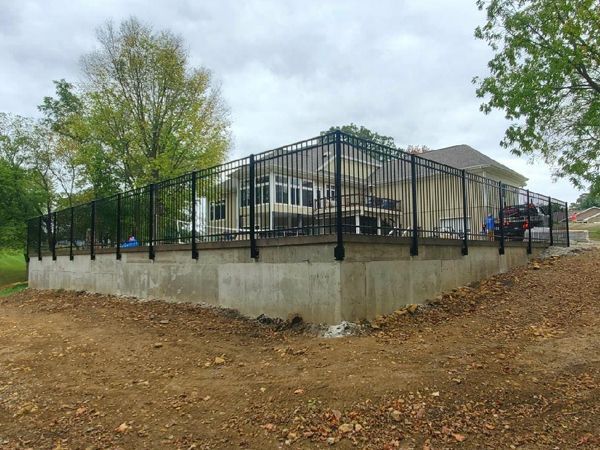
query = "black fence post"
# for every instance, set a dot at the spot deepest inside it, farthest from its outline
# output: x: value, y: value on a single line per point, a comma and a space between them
x: 71, y: 235
x: 93, y: 231
x: 414, y: 247
x: 252, y: 188
x: 39, y: 249
x: 194, y: 247
x: 567, y: 223
x: 53, y: 225
x: 339, y: 251
x: 465, y: 246
x: 550, y: 220
x: 528, y: 224
x: 118, y: 226
x: 27, y: 241
x: 501, y: 218
x: 151, y: 230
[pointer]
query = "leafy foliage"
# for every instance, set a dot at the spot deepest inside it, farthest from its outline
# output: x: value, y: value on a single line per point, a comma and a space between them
x: 363, y: 133
x: 545, y: 75
x: 585, y: 201
x: 142, y: 113
x: 20, y: 199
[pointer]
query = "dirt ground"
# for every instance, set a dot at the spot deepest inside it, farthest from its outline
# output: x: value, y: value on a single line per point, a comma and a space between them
x: 511, y: 363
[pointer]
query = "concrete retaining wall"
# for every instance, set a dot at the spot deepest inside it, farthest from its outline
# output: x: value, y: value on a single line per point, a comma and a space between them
x: 292, y: 275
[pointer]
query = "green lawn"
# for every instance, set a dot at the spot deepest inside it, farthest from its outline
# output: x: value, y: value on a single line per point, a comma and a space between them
x: 12, y: 267
x: 593, y: 229
x: 16, y: 287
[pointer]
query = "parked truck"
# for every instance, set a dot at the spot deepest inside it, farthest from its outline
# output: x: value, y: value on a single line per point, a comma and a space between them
x: 518, y: 219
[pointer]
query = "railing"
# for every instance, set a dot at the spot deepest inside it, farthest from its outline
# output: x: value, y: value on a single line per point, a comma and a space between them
x: 358, y: 201
x: 334, y: 184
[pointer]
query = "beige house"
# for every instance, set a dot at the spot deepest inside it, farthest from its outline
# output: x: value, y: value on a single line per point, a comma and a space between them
x: 295, y: 193
x: 440, y: 209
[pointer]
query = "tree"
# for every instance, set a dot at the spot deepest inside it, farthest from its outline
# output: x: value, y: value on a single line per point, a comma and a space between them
x: 545, y: 76
x: 21, y: 196
x: 585, y: 201
x: 363, y: 133
x: 142, y: 113
x: 68, y: 116
x: 20, y: 199
x: 51, y: 164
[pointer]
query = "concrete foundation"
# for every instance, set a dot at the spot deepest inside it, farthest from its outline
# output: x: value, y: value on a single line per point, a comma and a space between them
x: 293, y: 275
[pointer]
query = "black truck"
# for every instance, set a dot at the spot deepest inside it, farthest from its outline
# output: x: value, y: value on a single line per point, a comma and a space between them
x: 518, y: 219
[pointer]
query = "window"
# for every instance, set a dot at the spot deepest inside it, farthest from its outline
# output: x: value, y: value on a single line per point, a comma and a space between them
x: 217, y: 210
x: 330, y: 192
x: 281, y: 189
x: 244, y: 197
x: 261, y: 192
x: 307, y: 193
x: 328, y: 200
x: 295, y: 191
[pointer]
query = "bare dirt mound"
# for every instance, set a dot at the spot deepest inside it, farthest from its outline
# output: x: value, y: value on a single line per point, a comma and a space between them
x: 511, y: 363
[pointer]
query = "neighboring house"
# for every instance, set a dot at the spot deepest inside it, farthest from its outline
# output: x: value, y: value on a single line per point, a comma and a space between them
x: 295, y: 192
x: 590, y: 215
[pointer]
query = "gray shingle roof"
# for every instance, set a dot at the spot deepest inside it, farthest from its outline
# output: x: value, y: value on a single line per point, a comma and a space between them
x: 464, y: 157
x: 318, y: 156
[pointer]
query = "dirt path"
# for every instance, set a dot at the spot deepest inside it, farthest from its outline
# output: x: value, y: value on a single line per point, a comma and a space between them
x: 511, y: 363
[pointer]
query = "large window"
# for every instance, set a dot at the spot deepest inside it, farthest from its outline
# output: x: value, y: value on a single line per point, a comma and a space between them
x: 217, y: 210
x: 281, y: 189
x: 327, y: 200
x: 293, y: 191
x: 244, y: 197
x: 288, y: 190
x: 261, y: 192
x: 307, y: 193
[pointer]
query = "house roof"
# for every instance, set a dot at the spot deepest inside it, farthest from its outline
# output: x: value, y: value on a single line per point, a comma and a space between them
x: 456, y: 157
x: 588, y: 213
x: 466, y: 157
x: 317, y: 157
x: 314, y: 159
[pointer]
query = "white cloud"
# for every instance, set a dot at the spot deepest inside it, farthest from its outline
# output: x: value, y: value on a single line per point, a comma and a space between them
x: 290, y: 69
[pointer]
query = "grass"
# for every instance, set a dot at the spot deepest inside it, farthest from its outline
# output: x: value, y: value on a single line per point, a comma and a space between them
x: 12, y: 267
x: 592, y: 228
x: 13, y: 288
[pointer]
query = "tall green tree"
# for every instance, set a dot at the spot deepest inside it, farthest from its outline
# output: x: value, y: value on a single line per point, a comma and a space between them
x: 545, y: 76
x: 80, y: 135
x: 142, y: 112
x: 22, y: 194
x: 586, y: 200
x: 20, y: 199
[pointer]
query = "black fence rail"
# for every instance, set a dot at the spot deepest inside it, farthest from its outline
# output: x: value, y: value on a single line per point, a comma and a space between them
x: 335, y: 184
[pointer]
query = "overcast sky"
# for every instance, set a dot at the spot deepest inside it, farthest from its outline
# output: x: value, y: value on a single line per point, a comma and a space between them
x: 289, y: 69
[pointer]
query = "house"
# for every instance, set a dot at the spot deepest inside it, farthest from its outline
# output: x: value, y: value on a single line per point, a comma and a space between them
x: 466, y: 157
x: 590, y: 215
x: 295, y: 191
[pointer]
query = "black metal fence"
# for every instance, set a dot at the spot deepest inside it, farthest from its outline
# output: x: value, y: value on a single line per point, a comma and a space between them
x: 333, y: 184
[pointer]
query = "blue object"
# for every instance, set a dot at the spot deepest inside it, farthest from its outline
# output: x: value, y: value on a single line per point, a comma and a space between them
x: 131, y: 243
x: 490, y: 222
